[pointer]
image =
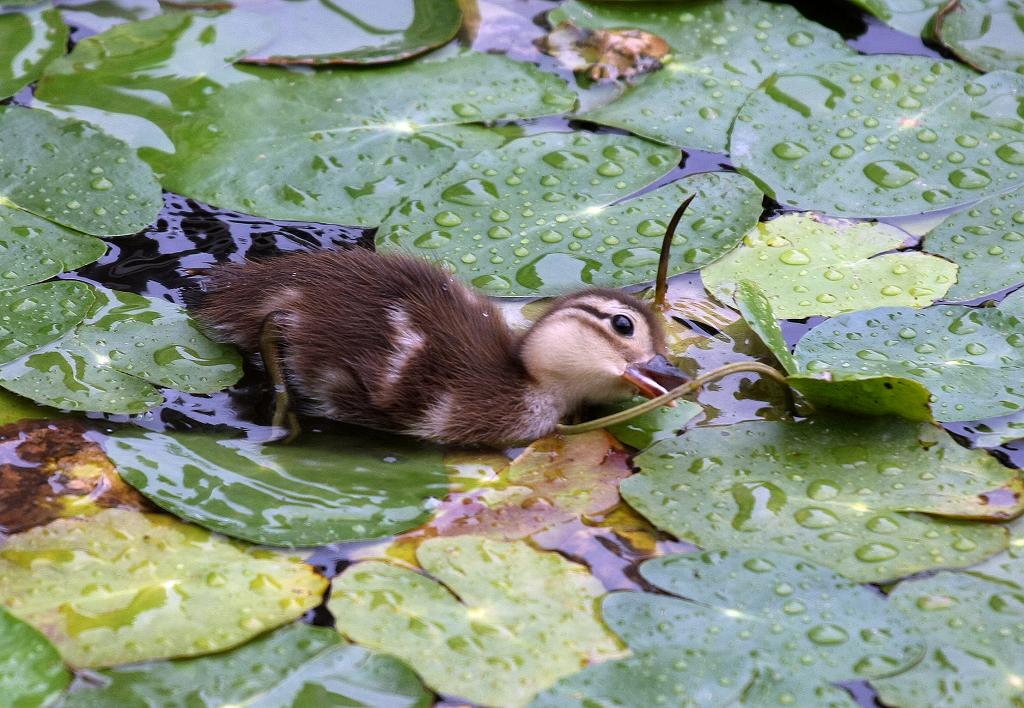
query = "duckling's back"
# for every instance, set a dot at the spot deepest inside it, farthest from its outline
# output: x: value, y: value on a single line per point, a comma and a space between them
x: 383, y: 340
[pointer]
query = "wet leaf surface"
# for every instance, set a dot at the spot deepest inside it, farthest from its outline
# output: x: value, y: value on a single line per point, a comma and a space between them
x: 790, y: 616
x: 969, y: 359
x: 569, y: 231
x: 882, y: 136
x: 507, y: 622
x: 121, y: 586
x: 294, y: 666
x: 986, y: 34
x: 718, y: 59
x: 987, y: 242
x: 355, y: 32
x: 809, y: 267
x: 31, y: 670
x: 70, y: 173
x: 37, y: 315
x: 29, y: 41
x: 317, y: 490
x: 910, y: 16
x: 644, y: 430
x: 35, y: 249
x: 126, y: 343
x: 861, y: 496
x: 17, y: 408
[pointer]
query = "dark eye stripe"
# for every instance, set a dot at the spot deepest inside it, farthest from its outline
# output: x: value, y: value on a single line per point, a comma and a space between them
x: 590, y: 310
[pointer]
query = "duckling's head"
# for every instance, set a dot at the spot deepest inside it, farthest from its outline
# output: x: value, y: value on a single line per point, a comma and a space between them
x: 598, y: 346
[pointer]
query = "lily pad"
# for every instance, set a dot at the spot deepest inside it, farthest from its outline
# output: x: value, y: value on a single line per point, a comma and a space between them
x: 720, y: 52
x: 35, y: 249
x: 882, y: 136
x: 69, y: 172
x: 970, y: 359
x: 570, y: 228
x: 810, y: 267
x: 507, y: 622
x: 122, y: 586
x: 355, y: 31
x: 861, y: 394
x: 850, y: 493
x: 29, y: 41
x: 37, y: 315
x: 95, y: 16
x: 126, y: 343
x: 294, y: 666
x: 987, y: 242
x: 987, y: 34
x: 644, y: 430
x: 910, y: 16
x: 786, y: 613
x: 948, y: 676
x: 17, y: 408
x: 309, y: 493
x: 31, y: 670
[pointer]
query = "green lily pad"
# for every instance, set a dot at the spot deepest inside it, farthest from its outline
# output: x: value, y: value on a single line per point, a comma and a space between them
x: 951, y: 677
x: 356, y: 32
x: 309, y: 493
x: 69, y: 172
x: 31, y: 670
x: 850, y: 493
x: 35, y: 249
x: 37, y: 315
x: 126, y: 344
x: 987, y: 34
x: 786, y: 613
x: 17, y: 408
x: 969, y: 359
x: 507, y: 622
x: 882, y: 136
x: 297, y: 665
x: 910, y: 16
x: 719, y: 58
x: 834, y: 390
x: 121, y: 586
x: 645, y: 430
x: 987, y: 242
x: 95, y: 16
x: 809, y: 267
x: 315, y: 153
x: 29, y: 41
x: 663, y: 676
x: 568, y: 230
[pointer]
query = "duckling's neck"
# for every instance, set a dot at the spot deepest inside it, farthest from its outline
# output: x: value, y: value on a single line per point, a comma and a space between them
x: 542, y: 408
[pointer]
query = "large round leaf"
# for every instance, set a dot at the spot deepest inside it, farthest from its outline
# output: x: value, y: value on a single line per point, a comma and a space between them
x: 355, y: 31
x: 31, y: 670
x: 787, y: 613
x: 507, y: 621
x: 882, y: 136
x: 309, y: 493
x: 28, y: 42
x: 69, y: 172
x: 108, y: 363
x: 970, y: 359
x: 910, y: 16
x: 35, y: 249
x: 809, y: 267
x: 295, y: 666
x: 37, y: 315
x: 987, y: 242
x: 842, y: 491
x: 542, y: 215
x: 122, y: 586
x: 723, y: 50
x: 987, y: 34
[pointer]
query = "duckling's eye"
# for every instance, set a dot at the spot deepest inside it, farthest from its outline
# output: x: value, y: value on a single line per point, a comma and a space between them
x: 623, y: 325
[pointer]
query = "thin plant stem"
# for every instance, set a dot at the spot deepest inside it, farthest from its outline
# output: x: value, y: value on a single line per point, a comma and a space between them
x: 679, y: 391
x: 661, y: 282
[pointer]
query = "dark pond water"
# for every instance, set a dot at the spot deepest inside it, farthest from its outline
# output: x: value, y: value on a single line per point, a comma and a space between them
x: 166, y: 261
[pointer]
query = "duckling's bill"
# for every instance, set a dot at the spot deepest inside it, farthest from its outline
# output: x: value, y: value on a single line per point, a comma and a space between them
x: 652, y: 377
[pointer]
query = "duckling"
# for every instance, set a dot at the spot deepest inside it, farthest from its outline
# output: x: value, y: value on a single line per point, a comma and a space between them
x: 394, y: 342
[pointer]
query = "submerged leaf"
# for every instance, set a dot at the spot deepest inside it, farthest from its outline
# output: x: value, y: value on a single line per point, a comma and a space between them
x: 882, y: 136
x: 294, y: 666
x: 722, y: 51
x: 604, y: 54
x: 69, y: 172
x: 29, y: 41
x: 507, y: 621
x: 808, y: 267
x: 309, y: 493
x: 849, y: 493
x: 987, y: 242
x: 31, y: 670
x: 987, y: 34
x: 570, y: 229
x: 121, y: 586
x: 35, y: 249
